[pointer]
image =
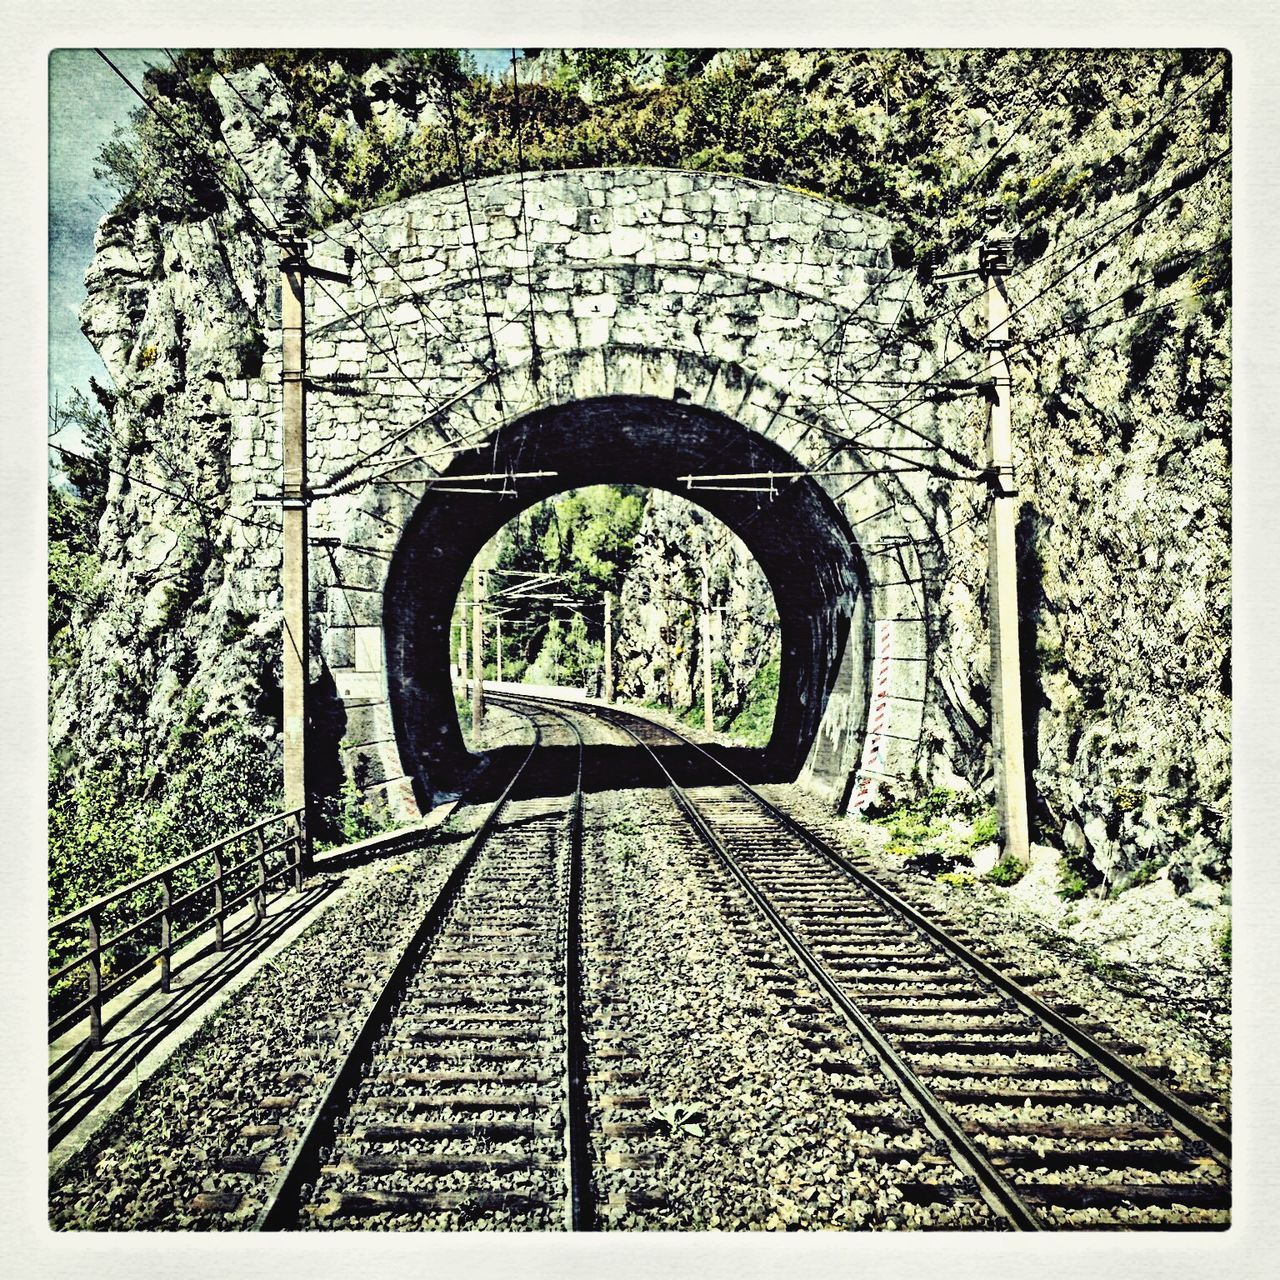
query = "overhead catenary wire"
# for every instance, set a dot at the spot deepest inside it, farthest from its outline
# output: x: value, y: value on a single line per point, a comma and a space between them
x: 1040, y: 100
x: 535, y: 358
x: 272, y: 233
x: 133, y: 478
x: 905, y: 403
x: 1057, y: 249
x: 471, y: 225
x: 275, y: 234
x: 878, y: 409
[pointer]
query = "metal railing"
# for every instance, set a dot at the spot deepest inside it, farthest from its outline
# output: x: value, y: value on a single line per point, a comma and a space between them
x: 147, y: 920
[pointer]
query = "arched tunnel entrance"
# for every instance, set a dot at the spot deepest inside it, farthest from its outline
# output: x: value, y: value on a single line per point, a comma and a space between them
x: 797, y: 536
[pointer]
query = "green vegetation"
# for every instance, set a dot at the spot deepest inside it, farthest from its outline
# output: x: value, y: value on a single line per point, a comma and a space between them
x: 927, y: 834
x: 120, y: 819
x: 1077, y: 875
x: 140, y: 804
x: 1144, y: 873
x: 754, y: 723
x: 931, y: 815
x: 681, y: 1118
x: 1009, y: 870
x: 1224, y: 945
x: 985, y: 829
x: 348, y: 816
x: 584, y: 538
x: 872, y: 128
x: 76, y: 504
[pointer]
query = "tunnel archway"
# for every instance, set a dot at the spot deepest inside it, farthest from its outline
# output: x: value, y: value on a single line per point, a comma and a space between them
x: 670, y: 290
x: 797, y: 536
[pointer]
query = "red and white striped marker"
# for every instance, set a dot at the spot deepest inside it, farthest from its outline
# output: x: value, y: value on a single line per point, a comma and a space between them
x: 873, y: 750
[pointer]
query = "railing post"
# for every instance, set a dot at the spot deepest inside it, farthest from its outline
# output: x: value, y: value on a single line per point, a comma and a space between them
x: 260, y: 898
x: 300, y: 859
x: 95, y: 983
x: 219, y: 903
x: 166, y: 928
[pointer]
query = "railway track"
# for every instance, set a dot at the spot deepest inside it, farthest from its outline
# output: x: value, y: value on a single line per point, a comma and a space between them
x: 462, y: 1098
x: 1054, y: 1119
x: 495, y: 1082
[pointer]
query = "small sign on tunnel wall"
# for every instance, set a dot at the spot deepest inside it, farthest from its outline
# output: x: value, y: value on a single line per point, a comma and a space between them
x: 368, y: 648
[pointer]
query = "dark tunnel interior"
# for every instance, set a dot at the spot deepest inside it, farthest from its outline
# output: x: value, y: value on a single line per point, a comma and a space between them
x: 796, y: 535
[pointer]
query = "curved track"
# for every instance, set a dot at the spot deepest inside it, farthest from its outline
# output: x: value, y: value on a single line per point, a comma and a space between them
x: 1053, y: 1119
x: 467, y: 1097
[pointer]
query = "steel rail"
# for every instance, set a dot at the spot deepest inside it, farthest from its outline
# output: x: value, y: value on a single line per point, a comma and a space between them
x: 580, y: 1212
x: 1185, y: 1118
x: 577, y: 1140
x: 997, y: 1190
x: 580, y: 1205
x: 282, y: 1207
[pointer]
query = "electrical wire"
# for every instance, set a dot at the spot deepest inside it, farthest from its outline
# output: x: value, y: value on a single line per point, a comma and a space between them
x: 1152, y: 124
x: 271, y: 233
x: 535, y: 359
x: 418, y: 298
x: 147, y: 484
x: 1180, y: 182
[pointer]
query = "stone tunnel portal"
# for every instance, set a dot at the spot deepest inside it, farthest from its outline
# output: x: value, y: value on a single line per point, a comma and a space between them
x: 798, y: 538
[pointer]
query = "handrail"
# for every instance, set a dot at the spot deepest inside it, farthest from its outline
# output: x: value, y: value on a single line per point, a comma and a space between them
x: 174, y: 930
x: 176, y: 865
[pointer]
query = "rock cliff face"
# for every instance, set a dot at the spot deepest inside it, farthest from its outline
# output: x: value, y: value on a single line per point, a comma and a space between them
x: 659, y: 652
x: 1121, y: 363
x: 176, y: 312
x: 1119, y: 187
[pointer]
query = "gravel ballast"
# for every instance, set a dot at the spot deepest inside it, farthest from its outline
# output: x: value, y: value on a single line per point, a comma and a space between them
x: 728, y: 1093
x: 1145, y: 963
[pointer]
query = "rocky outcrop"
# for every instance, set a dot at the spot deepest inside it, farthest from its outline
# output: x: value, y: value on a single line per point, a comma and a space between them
x: 659, y: 650
x: 1121, y: 360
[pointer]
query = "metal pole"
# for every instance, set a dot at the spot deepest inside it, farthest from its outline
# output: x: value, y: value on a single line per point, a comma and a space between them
x: 95, y: 981
x: 293, y: 578
x: 260, y: 892
x: 608, y: 647
x: 1006, y: 676
x: 497, y: 647
x: 707, y: 710
x: 166, y: 931
x: 462, y: 655
x: 477, y: 653
x: 219, y: 904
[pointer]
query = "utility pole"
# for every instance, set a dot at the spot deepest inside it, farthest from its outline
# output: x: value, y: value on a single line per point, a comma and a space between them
x: 477, y: 652
x: 995, y: 260
x: 708, y: 713
x: 294, y: 580
x: 497, y: 647
x: 293, y: 572
x: 462, y: 653
x: 607, y: 691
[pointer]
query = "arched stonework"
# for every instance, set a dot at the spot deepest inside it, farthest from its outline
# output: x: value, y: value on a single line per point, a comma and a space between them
x: 750, y: 305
